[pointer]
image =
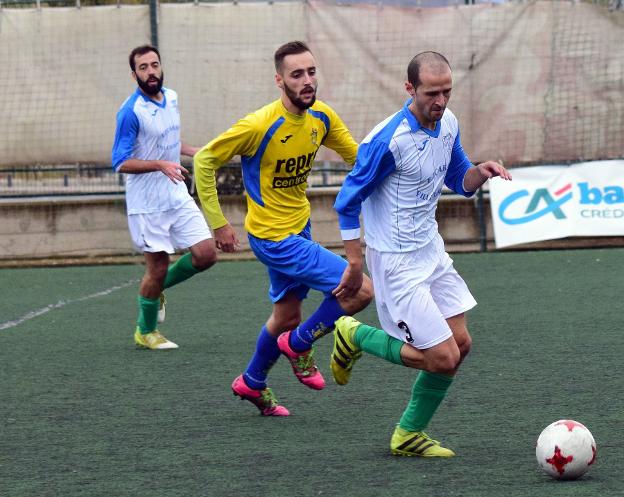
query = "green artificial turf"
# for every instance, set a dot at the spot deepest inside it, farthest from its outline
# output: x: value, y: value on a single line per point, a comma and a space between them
x: 84, y: 413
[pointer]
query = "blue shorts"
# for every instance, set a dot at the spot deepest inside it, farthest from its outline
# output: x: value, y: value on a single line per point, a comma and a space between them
x: 297, y: 264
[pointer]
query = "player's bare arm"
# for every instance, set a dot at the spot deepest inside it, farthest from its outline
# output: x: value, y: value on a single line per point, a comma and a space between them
x: 476, y: 176
x: 352, y: 278
x: 174, y: 171
x: 188, y: 150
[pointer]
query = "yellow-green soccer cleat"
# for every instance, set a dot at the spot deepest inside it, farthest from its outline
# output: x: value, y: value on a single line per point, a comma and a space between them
x: 345, y: 352
x: 162, y: 312
x: 416, y: 443
x: 154, y: 340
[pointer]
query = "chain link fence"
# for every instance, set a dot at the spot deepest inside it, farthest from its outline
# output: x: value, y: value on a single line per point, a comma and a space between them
x: 535, y: 105
x: 81, y: 179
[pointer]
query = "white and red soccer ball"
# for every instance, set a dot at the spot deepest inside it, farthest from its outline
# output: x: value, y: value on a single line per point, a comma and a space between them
x: 565, y: 449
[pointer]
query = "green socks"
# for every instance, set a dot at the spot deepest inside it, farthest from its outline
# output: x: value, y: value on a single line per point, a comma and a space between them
x: 180, y: 270
x: 429, y: 388
x: 148, y: 314
x: 428, y: 392
x: 379, y: 343
x: 177, y: 272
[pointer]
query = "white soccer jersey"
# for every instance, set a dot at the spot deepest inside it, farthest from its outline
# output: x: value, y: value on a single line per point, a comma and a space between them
x: 397, y: 179
x: 149, y: 130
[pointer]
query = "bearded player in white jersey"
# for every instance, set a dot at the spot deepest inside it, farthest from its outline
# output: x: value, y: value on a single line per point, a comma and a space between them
x: 162, y: 216
x: 401, y: 168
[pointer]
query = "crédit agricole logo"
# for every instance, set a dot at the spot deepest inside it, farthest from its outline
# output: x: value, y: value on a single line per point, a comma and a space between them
x: 594, y: 202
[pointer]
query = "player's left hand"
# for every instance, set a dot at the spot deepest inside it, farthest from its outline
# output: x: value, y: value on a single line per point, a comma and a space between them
x: 492, y: 169
x: 350, y: 283
x: 226, y: 239
x: 174, y: 171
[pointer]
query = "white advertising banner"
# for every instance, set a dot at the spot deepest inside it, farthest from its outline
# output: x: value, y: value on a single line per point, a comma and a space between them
x: 548, y: 202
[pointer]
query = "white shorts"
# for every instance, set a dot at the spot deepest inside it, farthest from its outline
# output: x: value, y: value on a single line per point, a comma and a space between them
x: 415, y: 292
x: 169, y: 230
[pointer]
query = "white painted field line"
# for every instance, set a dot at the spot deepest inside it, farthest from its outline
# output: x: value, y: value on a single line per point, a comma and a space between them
x: 63, y: 303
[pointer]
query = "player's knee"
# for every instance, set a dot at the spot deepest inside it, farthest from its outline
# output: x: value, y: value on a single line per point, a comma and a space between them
x: 157, y: 272
x: 446, y: 363
x: 285, y: 322
x: 446, y: 367
x: 205, y: 258
x: 465, y: 345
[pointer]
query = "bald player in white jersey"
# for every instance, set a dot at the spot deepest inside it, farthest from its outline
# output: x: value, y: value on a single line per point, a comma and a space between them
x: 400, y: 170
x: 162, y: 216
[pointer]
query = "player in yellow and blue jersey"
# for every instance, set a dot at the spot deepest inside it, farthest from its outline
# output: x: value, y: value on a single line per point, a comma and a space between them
x: 277, y: 145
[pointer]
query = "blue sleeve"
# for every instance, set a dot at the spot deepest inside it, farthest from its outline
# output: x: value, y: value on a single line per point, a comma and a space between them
x: 457, y: 169
x: 125, y: 136
x: 373, y: 164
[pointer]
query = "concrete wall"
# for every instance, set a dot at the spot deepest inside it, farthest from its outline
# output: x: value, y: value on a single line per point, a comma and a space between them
x: 97, y: 226
x: 91, y: 229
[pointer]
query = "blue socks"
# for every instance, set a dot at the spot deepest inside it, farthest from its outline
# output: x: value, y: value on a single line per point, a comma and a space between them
x: 319, y: 324
x: 263, y: 359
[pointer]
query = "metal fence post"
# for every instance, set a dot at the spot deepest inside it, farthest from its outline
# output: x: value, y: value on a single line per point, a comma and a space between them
x: 325, y: 173
x: 154, y: 22
x: 481, y: 216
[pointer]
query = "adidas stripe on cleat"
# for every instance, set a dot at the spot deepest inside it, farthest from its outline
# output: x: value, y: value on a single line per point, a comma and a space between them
x: 263, y: 399
x: 416, y: 443
x: 302, y: 363
x: 345, y: 352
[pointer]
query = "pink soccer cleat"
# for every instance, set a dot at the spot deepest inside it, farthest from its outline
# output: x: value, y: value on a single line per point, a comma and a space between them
x: 302, y: 363
x: 263, y: 399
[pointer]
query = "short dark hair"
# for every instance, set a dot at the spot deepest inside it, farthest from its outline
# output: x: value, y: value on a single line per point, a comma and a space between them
x: 290, y: 48
x: 142, y: 50
x: 413, y: 69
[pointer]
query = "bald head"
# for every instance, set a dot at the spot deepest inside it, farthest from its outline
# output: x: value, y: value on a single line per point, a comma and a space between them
x: 434, y: 62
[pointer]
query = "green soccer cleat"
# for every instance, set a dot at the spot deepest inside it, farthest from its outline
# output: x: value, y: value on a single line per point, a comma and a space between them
x: 154, y: 340
x: 161, y: 310
x: 416, y: 443
x: 345, y: 351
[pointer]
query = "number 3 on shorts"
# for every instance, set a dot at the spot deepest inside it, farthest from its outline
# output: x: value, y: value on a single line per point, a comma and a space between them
x: 405, y: 328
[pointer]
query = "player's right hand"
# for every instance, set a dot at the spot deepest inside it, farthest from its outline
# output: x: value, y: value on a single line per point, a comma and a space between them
x: 350, y: 283
x: 173, y: 170
x: 226, y: 239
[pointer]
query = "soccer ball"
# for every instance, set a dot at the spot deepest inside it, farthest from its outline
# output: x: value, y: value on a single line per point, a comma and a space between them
x: 565, y: 449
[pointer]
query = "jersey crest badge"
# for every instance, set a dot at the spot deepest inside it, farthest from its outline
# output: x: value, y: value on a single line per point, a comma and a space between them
x: 314, y: 136
x: 447, y: 142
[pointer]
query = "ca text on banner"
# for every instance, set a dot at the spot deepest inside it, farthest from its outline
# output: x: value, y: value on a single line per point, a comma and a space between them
x: 549, y: 202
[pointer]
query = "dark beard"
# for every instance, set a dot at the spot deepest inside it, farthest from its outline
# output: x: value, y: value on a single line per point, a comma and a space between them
x: 296, y: 101
x: 151, y: 90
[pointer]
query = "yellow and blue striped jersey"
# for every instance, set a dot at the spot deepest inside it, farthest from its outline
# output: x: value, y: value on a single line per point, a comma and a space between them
x: 277, y: 152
